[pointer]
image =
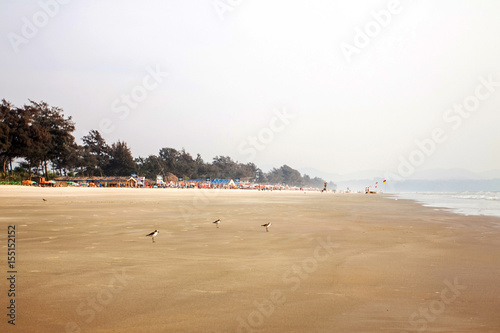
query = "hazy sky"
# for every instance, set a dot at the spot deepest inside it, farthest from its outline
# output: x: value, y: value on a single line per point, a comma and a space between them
x: 339, y: 86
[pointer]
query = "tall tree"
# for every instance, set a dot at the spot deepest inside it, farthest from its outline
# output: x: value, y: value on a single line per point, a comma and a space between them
x: 248, y: 170
x: 51, y: 134
x: 63, y: 147
x: 275, y: 176
x: 5, y: 137
x: 39, y: 144
x: 121, y: 161
x: 96, y: 153
x: 185, y: 165
x: 151, y: 166
x: 291, y: 176
x: 18, y: 137
x: 68, y: 158
x: 170, y: 157
x: 225, y: 167
x: 180, y: 163
x: 202, y: 169
x: 260, y: 176
x: 37, y: 132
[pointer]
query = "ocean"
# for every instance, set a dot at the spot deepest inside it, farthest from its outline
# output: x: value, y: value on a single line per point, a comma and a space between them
x: 464, y: 203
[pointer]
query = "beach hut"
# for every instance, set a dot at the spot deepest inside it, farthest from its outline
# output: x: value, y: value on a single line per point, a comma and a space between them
x: 132, y: 182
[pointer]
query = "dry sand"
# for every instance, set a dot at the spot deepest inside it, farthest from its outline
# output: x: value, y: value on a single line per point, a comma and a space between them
x: 329, y: 263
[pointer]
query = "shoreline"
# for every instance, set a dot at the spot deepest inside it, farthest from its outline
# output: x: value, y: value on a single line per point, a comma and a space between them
x: 205, y: 192
x: 329, y: 263
x: 461, y: 203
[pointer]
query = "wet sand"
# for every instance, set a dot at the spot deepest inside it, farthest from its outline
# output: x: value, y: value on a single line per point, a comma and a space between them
x: 329, y: 263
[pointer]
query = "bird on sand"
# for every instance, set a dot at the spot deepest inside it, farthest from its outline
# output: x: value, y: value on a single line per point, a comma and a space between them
x: 153, y: 235
x: 44, y: 199
x: 216, y: 222
x: 267, y: 225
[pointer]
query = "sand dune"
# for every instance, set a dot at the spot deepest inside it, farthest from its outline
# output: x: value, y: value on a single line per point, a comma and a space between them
x: 329, y: 263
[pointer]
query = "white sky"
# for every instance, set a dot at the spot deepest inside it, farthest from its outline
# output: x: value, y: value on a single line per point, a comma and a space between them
x: 227, y: 77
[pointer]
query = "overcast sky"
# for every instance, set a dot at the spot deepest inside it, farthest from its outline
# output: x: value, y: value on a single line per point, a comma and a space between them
x: 338, y: 86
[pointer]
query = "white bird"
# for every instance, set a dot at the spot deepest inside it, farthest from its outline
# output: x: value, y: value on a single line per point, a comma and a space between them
x: 153, y: 235
x: 267, y: 225
x: 216, y: 222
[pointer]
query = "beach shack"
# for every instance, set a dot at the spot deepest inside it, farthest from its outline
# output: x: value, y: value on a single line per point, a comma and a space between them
x: 115, y: 182
x: 96, y: 181
x: 132, y: 182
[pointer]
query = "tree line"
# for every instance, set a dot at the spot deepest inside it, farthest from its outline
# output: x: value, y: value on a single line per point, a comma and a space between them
x: 41, y: 137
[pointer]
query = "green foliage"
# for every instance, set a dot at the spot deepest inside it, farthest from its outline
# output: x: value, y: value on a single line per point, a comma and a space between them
x: 181, y: 164
x: 121, y: 162
x: 36, y: 132
x: 292, y: 177
x: 95, y: 153
x: 51, y: 175
x: 151, y: 166
x: 12, y: 178
x: 42, y: 136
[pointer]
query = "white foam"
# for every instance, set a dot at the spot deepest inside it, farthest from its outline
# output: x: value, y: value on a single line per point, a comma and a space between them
x: 465, y: 203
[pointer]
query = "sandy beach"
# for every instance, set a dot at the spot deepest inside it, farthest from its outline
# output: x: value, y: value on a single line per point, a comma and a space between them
x: 329, y: 263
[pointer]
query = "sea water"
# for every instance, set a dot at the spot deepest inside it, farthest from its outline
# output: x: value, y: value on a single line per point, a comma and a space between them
x: 465, y: 203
